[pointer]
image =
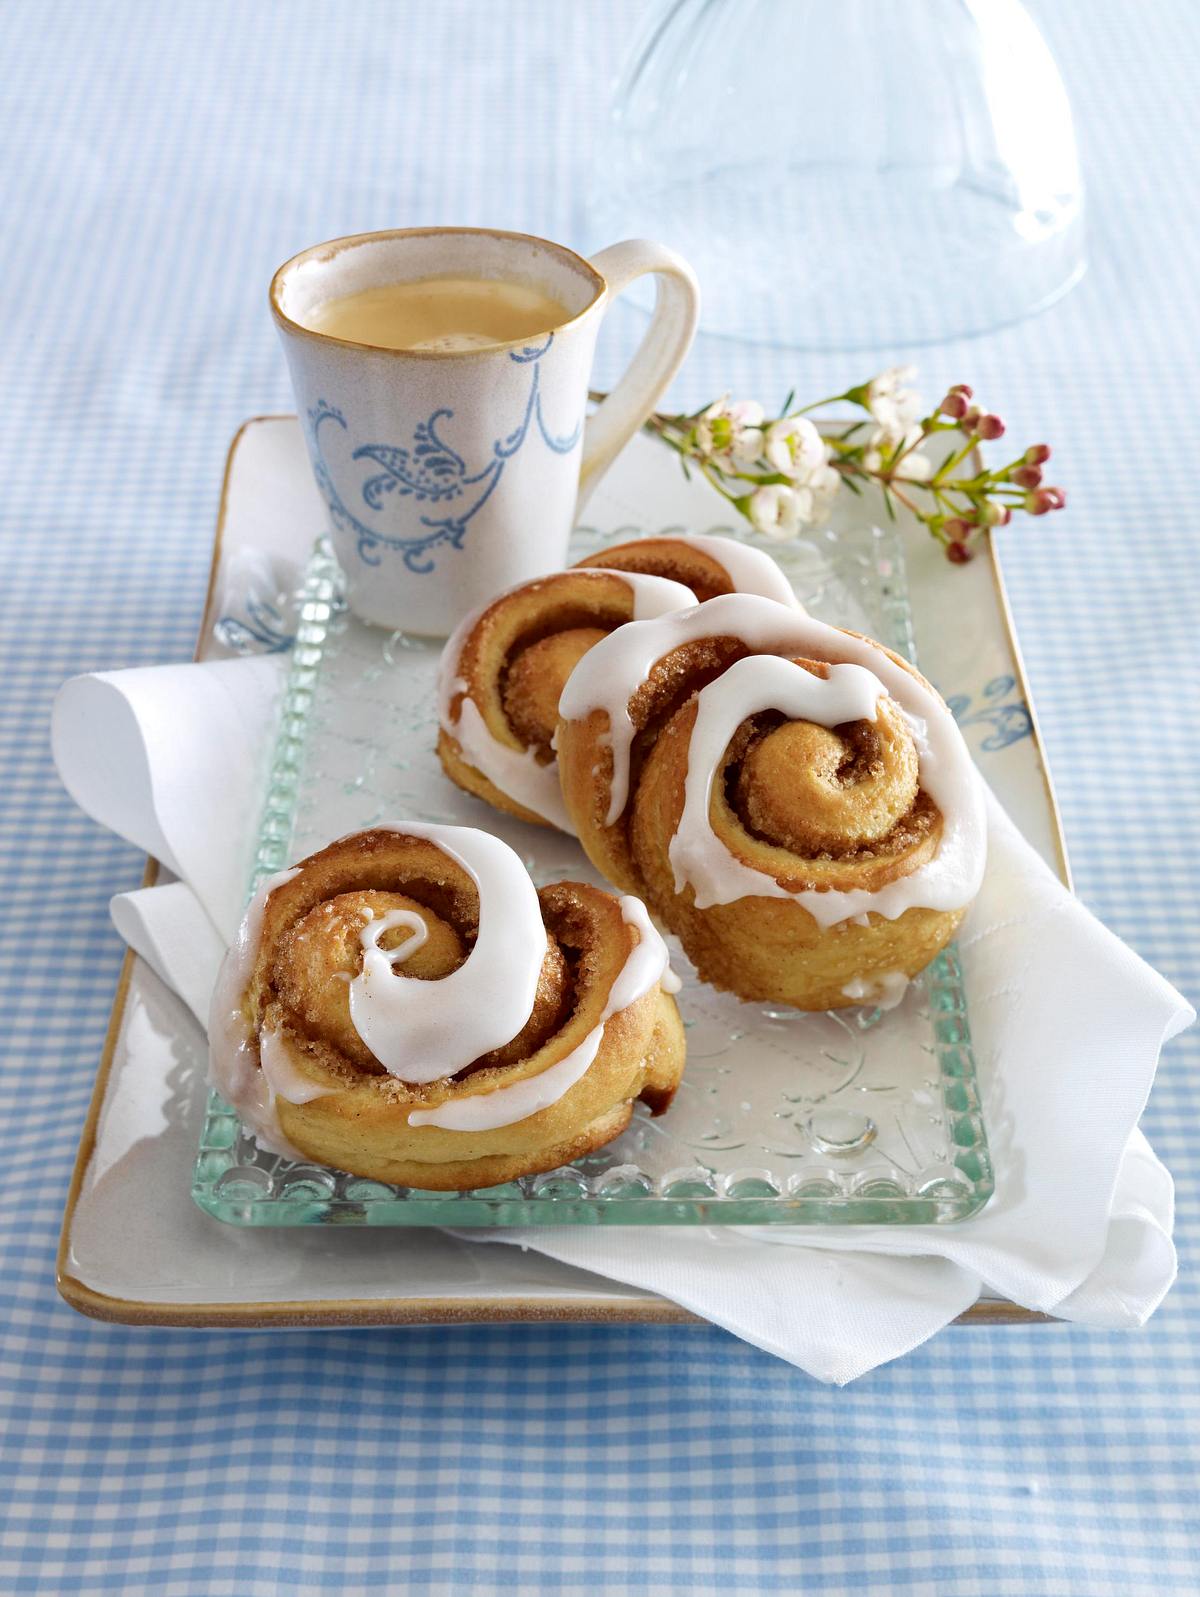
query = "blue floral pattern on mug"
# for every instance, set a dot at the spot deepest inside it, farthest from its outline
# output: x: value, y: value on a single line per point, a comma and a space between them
x: 432, y: 474
x: 1009, y: 718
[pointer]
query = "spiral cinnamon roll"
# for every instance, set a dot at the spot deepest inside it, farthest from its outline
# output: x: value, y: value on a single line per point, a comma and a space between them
x: 504, y: 668
x: 406, y: 1006
x: 709, y: 564
x: 794, y: 801
x: 502, y: 671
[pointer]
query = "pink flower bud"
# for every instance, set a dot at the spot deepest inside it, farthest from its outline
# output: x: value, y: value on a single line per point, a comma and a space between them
x: 1043, y: 499
x: 993, y: 515
x: 963, y: 389
x: 954, y: 405
x: 1037, y: 454
x: 990, y: 427
x: 958, y: 553
x: 1027, y: 476
x: 956, y: 528
x: 971, y: 420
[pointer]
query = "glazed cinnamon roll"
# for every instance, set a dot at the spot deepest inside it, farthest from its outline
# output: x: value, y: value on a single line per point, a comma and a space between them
x: 406, y: 1006
x: 504, y: 668
x: 794, y: 801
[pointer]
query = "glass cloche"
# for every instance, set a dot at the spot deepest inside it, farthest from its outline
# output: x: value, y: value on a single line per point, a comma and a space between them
x: 865, y: 173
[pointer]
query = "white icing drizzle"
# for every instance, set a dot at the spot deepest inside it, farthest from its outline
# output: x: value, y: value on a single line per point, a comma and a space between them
x: 282, y: 1076
x: 750, y: 570
x: 233, y: 1049
x: 374, y: 929
x: 646, y: 965
x: 759, y: 682
x: 611, y: 672
x: 518, y: 772
x: 423, y: 1030
x: 885, y: 991
x: 655, y: 596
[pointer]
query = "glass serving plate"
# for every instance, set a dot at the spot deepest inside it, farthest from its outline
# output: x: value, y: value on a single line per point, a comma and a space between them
x: 859, y: 1116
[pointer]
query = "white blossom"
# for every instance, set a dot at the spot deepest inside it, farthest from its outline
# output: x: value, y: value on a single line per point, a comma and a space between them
x: 894, y: 406
x: 795, y: 448
x: 823, y: 486
x: 777, y: 510
x: 731, y: 432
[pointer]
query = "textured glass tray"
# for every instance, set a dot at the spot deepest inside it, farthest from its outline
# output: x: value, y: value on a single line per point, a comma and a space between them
x: 859, y: 1116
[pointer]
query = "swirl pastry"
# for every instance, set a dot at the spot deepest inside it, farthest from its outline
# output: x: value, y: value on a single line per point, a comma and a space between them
x: 406, y: 1006
x: 502, y: 671
x: 504, y: 668
x: 795, y: 802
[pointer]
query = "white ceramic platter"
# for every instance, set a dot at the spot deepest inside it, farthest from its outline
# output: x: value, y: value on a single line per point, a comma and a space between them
x: 135, y: 1248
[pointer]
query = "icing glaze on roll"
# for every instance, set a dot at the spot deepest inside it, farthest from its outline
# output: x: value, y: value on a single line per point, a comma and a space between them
x: 760, y: 682
x: 646, y: 965
x: 234, y: 1062
x: 423, y: 1030
x: 750, y: 570
x: 619, y: 664
x: 689, y: 557
x: 284, y: 1080
x: 515, y: 771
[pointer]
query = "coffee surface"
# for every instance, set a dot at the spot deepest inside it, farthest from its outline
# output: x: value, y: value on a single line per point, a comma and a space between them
x: 443, y: 314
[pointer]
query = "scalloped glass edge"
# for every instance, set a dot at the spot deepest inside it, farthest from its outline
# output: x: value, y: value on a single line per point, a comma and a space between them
x: 280, y: 1192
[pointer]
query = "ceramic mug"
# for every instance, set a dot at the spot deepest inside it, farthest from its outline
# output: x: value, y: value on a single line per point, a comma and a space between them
x: 449, y: 476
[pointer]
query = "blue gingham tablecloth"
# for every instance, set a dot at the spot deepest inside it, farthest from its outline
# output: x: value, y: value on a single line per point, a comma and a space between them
x: 156, y: 163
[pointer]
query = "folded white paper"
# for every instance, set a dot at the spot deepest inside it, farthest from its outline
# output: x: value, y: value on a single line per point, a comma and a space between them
x: 1067, y: 1026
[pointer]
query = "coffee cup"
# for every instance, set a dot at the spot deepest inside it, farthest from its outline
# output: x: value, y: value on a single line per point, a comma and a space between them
x: 455, y: 466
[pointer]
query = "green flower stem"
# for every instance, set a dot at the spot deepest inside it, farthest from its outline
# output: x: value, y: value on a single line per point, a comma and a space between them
x: 956, y: 459
x: 919, y: 439
x: 742, y: 502
x: 850, y: 397
x: 759, y: 480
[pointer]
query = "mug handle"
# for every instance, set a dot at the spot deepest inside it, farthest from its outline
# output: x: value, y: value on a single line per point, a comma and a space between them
x: 659, y: 356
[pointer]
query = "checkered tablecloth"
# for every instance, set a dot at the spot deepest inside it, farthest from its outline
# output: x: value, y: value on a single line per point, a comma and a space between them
x: 156, y: 163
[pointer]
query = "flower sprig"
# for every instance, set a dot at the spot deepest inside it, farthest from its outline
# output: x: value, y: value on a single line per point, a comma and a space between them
x: 783, y: 473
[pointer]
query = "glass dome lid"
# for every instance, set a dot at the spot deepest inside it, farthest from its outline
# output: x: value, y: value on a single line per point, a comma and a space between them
x: 854, y: 175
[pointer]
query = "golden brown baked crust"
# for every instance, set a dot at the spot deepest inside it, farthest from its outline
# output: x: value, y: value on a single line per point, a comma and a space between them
x: 676, y: 558
x: 297, y: 990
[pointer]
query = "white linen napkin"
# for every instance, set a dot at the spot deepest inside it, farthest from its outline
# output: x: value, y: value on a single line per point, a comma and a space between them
x: 1067, y: 1025
x: 172, y: 758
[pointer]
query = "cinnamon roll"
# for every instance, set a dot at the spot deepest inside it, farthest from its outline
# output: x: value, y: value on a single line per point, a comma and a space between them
x: 794, y: 801
x: 406, y: 1006
x: 502, y: 671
